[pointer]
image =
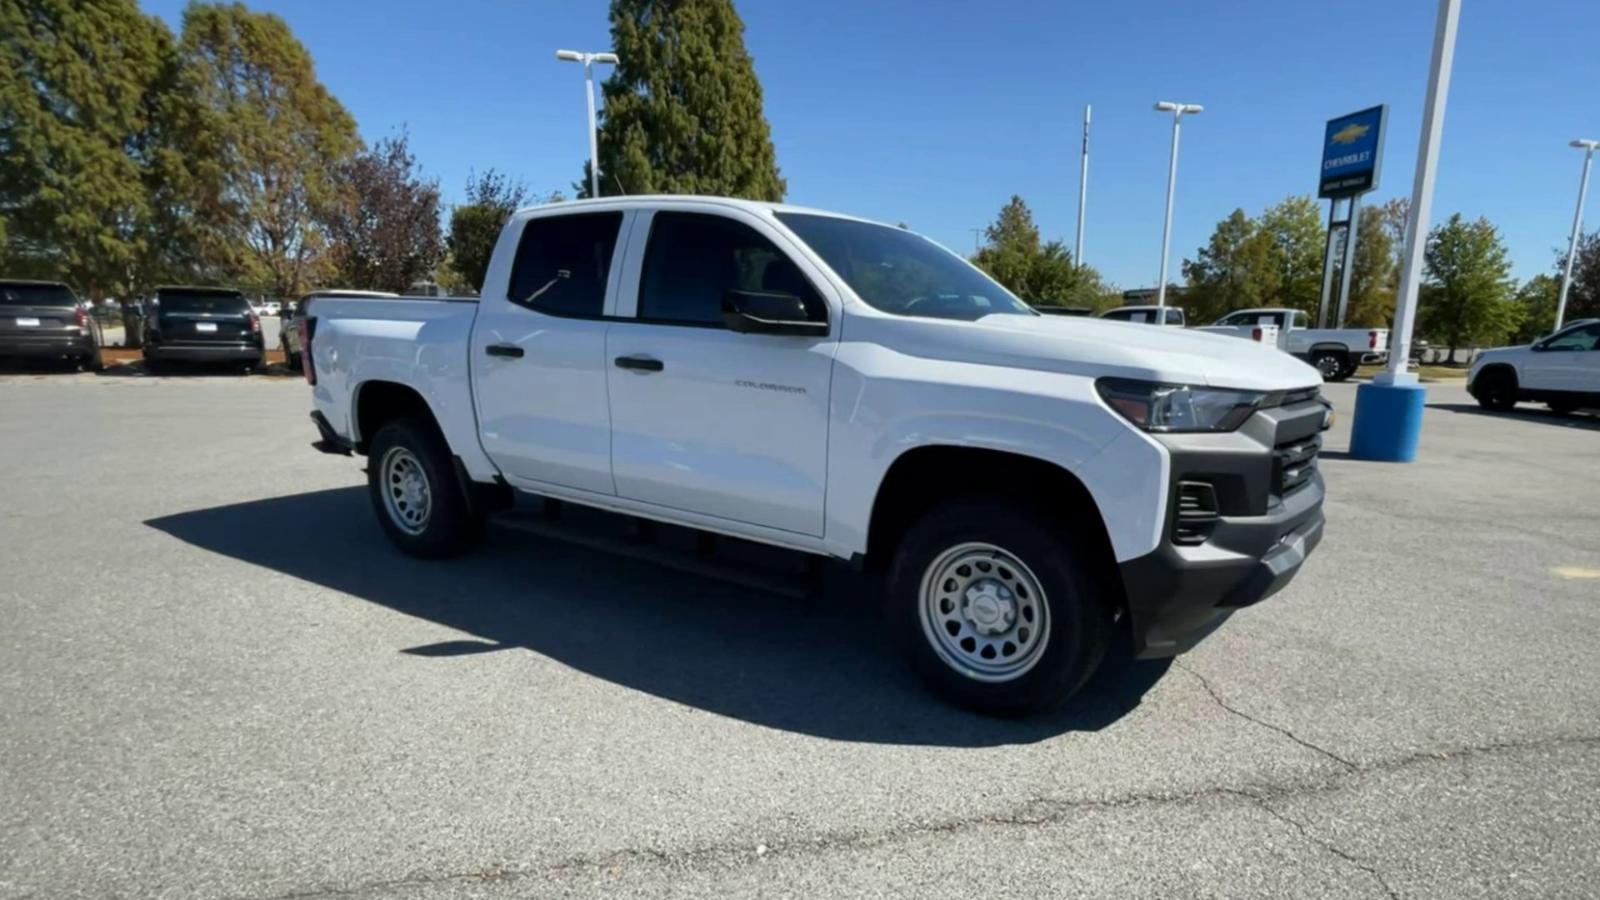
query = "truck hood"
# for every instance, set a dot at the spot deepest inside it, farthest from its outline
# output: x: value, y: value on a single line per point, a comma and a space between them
x: 1094, y: 347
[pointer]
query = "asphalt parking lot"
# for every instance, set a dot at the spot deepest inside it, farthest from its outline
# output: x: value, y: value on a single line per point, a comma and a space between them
x: 221, y: 681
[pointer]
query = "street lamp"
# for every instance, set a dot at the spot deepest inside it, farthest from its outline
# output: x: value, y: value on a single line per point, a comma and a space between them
x: 1577, y: 223
x: 588, y: 60
x: 1178, y: 110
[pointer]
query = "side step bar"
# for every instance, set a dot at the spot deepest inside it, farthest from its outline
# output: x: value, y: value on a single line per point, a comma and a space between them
x: 787, y: 573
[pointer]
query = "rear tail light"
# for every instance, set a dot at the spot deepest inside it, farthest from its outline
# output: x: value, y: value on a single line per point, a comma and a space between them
x: 255, y: 323
x: 1372, y: 340
x: 82, y: 317
x: 1255, y: 335
x: 308, y: 330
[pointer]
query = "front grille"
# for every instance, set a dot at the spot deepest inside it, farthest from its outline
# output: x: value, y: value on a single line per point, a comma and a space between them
x: 1294, y: 463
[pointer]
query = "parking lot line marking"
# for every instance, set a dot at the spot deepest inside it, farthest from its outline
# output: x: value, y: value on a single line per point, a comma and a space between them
x: 1576, y: 572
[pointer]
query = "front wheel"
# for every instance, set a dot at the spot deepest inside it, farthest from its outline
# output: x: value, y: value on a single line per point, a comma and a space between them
x: 414, y: 491
x: 996, y: 606
x: 1496, y: 389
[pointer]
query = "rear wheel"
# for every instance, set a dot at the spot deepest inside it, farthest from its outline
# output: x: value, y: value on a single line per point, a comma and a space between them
x: 1333, y: 366
x: 996, y: 606
x: 415, y: 493
x: 1496, y: 389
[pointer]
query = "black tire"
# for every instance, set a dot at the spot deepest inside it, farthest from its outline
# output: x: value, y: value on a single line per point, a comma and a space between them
x: 292, y: 360
x: 1333, y: 365
x: 1074, y: 604
x: 1496, y: 390
x: 448, y: 524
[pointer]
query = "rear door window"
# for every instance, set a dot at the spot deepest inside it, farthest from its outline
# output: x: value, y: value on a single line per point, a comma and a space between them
x: 563, y: 263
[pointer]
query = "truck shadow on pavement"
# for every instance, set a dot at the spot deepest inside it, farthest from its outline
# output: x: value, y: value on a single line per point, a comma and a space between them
x: 817, y: 666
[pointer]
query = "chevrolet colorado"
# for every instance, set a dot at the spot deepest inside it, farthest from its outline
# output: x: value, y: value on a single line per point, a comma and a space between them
x: 1027, y: 484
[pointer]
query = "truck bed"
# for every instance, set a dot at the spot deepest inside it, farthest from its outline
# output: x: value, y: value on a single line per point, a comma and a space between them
x: 423, y: 342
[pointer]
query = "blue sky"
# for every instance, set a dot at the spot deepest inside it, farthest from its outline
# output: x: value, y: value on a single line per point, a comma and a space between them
x: 934, y: 112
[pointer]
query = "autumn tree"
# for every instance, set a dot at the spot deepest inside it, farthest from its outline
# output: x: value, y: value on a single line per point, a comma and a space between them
x: 276, y: 141
x: 383, y: 230
x: 683, y: 108
x: 475, y: 225
x: 1040, y: 272
x: 1467, y: 297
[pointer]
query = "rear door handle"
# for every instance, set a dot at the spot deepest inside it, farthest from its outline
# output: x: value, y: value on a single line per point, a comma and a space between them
x: 640, y: 363
x: 510, y: 351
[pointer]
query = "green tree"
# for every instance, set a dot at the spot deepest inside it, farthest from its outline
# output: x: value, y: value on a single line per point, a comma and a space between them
x: 1374, y: 278
x: 1298, y: 241
x: 1040, y: 272
x: 275, y: 141
x: 475, y: 225
x: 1233, y: 270
x: 384, y: 230
x: 1468, y: 298
x: 83, y: 87
x: 1538, y: 297
x: 683, y: 111
x: 1583, y: 298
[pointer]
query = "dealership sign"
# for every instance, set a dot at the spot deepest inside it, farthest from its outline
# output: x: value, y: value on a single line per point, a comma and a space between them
x: 1352, y: 153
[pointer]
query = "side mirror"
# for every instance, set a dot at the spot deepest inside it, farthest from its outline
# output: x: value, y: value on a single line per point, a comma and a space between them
x: 762, y: 312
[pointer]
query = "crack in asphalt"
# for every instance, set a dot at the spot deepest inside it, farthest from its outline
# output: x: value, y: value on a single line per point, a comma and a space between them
x: 1217, y: 698
x: 1305, y: 833
x: 1031, y: 813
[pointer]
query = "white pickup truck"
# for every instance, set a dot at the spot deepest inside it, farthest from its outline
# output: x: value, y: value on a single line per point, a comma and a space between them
x: 1028, y: 484
x: 1334, y: 351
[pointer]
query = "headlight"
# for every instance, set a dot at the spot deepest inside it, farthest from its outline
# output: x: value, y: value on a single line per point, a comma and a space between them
x: 1178, y: 407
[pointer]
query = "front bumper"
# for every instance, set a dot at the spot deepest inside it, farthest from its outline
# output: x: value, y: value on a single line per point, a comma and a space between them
x: 1267, y: 518
x: 47, y: 346
x: 218, y: 352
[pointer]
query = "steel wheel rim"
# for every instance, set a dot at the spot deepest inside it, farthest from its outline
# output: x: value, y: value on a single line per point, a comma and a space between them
x: 984, y: 612
x: 406, y: 495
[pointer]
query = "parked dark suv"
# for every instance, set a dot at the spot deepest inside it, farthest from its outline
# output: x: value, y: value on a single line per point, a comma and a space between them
x: 202, y: 324
x: 43, y: 320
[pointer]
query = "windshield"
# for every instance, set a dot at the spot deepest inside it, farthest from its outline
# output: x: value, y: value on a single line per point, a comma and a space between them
x: 201, y: 302
x: 900, y: 272
x: 13, y: 294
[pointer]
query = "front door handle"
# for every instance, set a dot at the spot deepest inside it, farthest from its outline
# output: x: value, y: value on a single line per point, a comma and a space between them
x: 640, y: 363
x: 509, y: 351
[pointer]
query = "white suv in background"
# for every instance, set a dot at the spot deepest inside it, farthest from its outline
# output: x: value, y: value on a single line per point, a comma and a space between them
x: 1562, y: 371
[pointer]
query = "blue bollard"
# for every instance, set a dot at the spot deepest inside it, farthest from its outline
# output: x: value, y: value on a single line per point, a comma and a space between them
x: 1388, y: 422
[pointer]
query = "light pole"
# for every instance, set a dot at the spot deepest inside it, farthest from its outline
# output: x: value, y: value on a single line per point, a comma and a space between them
x: 1388, y: 419
x: 1083, y: 189
x: 1178, y: 110
x: 588, y: 60
x: 1577, y: 224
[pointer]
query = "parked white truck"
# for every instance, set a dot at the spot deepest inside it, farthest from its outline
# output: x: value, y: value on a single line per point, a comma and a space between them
x: 1027, y: 484
x: 1334, y: 351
